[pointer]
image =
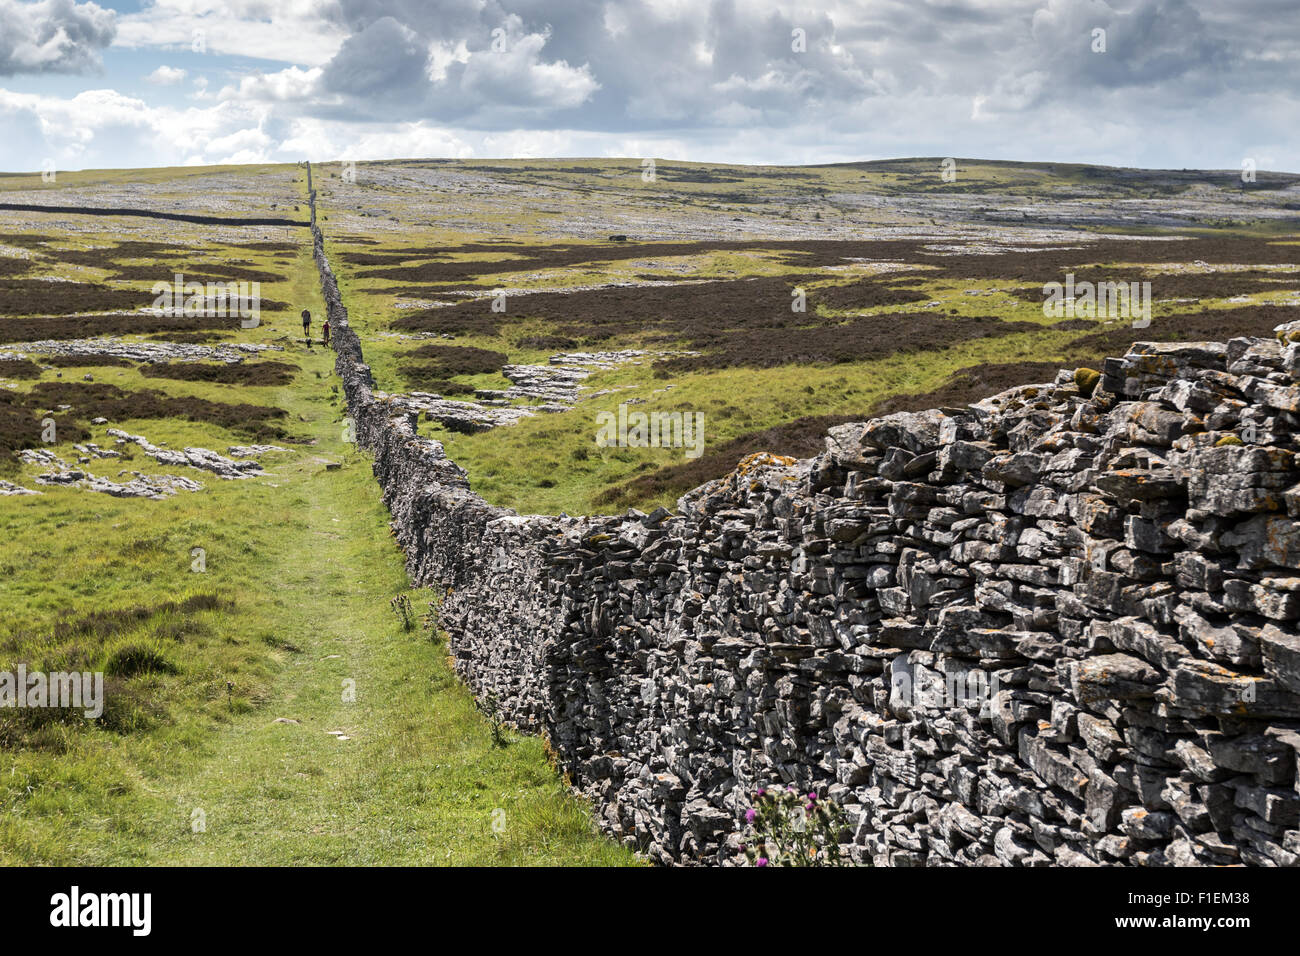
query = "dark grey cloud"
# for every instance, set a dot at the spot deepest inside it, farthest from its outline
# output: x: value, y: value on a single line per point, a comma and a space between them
x: 385, y: 58
x: 1156, y: 43
x: 53, y: 36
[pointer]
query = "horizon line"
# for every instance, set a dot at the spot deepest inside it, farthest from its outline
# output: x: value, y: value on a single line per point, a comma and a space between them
x: 660, y: 160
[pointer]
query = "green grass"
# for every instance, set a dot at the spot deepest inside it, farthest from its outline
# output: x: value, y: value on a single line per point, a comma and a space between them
x: 550, y: 463
x: 293, y: 602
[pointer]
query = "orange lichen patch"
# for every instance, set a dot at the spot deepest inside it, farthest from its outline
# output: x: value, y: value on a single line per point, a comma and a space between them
x: 1275, y: 528
x: 762, y: 459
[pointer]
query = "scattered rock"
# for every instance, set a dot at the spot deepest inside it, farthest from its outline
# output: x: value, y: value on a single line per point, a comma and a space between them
x: 200, y: 458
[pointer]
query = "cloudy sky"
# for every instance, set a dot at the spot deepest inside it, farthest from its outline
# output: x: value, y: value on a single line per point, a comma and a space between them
x: 1169, y: 83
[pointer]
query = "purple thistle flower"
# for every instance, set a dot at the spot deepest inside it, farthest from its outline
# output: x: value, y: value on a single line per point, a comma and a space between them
x: 761, y: 861
x: 750, y: 814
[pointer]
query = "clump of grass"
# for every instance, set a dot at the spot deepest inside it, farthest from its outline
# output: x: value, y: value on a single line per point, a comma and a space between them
x: 134, y: 656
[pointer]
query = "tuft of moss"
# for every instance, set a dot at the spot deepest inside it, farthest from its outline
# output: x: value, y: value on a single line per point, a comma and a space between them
x: 1228, y: 440
x: 1086, y: 379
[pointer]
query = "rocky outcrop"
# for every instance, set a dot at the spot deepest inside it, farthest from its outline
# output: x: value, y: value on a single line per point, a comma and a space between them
x: 556, y: 387
x: 1049, y: 628
x: 230, y: 353
x: 465, y: 417
x: 140, y: 485
x: 203, y: 459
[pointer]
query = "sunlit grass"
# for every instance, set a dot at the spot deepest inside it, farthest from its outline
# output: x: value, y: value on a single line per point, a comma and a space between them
x: 285, y: 608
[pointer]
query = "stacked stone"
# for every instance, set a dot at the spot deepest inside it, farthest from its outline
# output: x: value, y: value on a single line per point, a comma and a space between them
x: 1054, y: 627
x: 1119, y: 579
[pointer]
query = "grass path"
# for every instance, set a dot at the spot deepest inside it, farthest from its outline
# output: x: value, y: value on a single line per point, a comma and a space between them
x: 197, y: 767
x: 419, y: 780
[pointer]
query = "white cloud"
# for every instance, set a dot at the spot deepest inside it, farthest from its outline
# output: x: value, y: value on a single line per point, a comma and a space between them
x: 285, y: 85
x: 322, y: 141
x: 166, y: 75
x: 76, y: 131
x: 291, y: 31
x: 53, y: 36
x: 442, y: 56
x: 503, y: 74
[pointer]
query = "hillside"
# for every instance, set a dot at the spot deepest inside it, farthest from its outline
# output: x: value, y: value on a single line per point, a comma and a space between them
x: 915, y: 291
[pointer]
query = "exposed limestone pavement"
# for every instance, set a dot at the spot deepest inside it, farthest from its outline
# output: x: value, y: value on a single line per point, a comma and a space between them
x: 140, y: 485
x: 1054, y: 627
x: 201, y: 458
x: 231, y: 352
x: 465, y: 417
x: 557, y: 386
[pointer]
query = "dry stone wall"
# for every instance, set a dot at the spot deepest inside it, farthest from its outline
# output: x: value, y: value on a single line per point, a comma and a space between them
x: 1049, y: 628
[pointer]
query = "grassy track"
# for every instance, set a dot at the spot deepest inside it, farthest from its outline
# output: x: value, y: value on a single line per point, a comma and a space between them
x: 294, y: 602
x: 419, y: 779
